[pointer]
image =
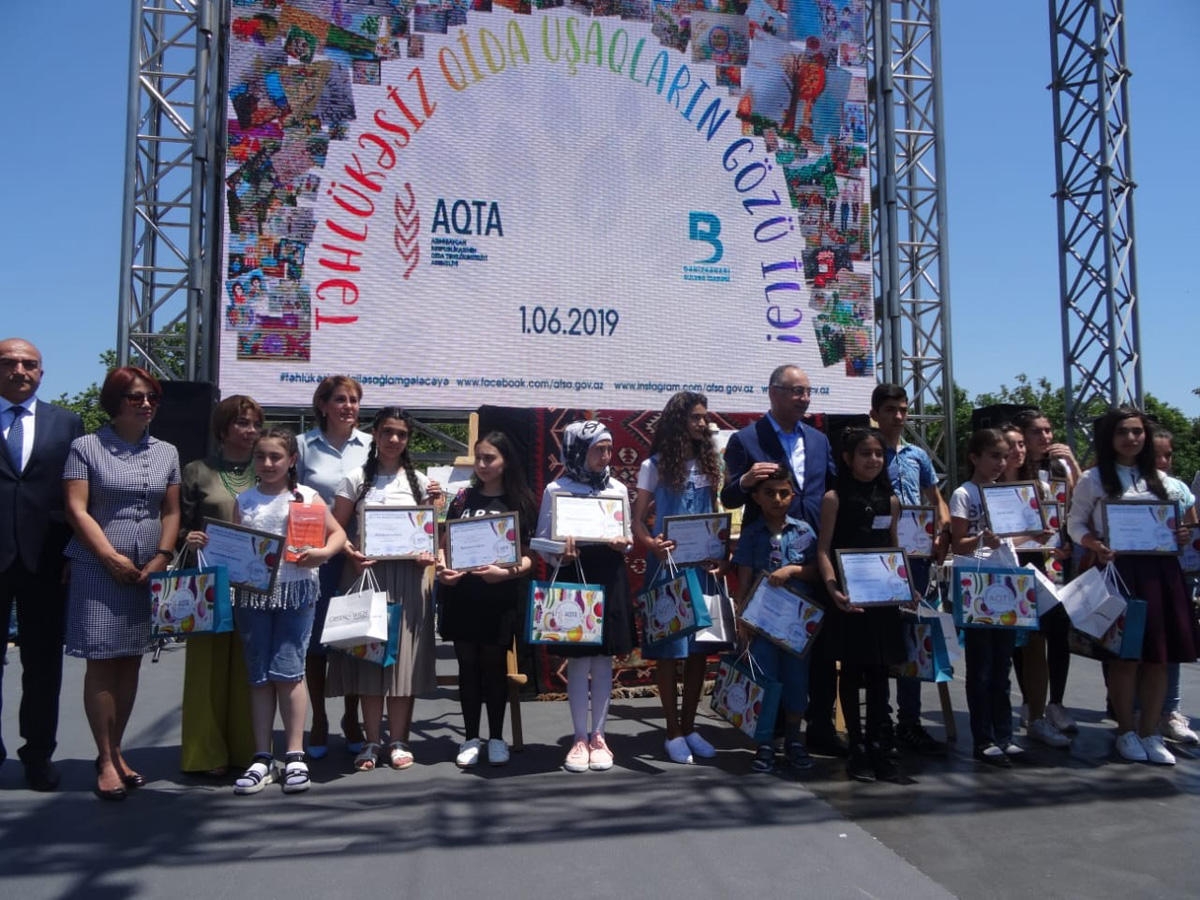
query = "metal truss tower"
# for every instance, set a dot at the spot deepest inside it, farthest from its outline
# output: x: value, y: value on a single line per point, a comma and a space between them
x: 1094, y: 194
x: 172, y: 183
x: 910, y: 201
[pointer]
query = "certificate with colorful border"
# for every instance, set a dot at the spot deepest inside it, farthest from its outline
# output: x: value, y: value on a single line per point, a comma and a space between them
x: 914, y: 530
x: 588, y: 518
x: 1144, y: 527
x: 397, y: 532
x: 875, y: 577
x: 479, y: 541
x: 251, y: 557
x: 698, y: 539
x: 1013, y: 507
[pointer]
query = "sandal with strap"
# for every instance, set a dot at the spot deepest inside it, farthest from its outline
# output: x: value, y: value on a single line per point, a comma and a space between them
x: 399, y: 756
x: 295, y: 774
x: 258, y: 776
x: 367, y: 757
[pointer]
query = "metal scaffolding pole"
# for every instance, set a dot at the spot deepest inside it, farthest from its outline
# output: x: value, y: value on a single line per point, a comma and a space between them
x: 169, y: 228
x: 1094, y: 197
x: 913, y: 237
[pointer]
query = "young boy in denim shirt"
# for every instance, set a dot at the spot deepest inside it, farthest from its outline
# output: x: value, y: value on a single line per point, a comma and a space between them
x: 786, y: 549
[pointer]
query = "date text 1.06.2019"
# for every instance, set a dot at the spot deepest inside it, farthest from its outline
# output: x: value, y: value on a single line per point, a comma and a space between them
x: 569, y: 320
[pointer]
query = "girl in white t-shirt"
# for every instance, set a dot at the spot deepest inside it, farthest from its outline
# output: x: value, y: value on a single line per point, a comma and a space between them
x: 276, y: 628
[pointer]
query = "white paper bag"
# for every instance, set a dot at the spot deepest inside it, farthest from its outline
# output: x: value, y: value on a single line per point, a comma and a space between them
x: 357, y: 617
x: 720, y: 610
x: 1092, y: 601
x: 1047, y: 590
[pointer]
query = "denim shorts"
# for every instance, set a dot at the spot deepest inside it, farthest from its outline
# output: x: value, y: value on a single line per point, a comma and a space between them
x: 274, y: 642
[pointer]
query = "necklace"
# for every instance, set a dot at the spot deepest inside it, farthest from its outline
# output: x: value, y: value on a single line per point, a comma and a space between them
x: 237, y: 477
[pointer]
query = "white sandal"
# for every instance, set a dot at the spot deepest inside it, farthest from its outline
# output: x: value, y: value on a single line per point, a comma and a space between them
x: 399, y: 756
x: 261, y: 773
x: 295, y: 774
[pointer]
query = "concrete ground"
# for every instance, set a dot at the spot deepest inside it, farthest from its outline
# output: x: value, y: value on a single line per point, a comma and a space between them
x: 1070, y: 823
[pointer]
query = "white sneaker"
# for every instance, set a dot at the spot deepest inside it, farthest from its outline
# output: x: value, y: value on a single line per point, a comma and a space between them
x: 678, y: 751
x: 700, y: 747
x: 497, y: 752
x: 1129, y: 746
x: 468, y: 753
x: 1176, y: 727
x: 1043, y: 731
x: 1059, y: 718
x: 1157, y: 752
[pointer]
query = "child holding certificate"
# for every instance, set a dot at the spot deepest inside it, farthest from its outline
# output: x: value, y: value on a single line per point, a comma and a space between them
x: 988, y: 650
x: 681, y: 477
x: 861, y: 513
x: 388, y: 477
x: 586, y: 452
x: 1125, y: 470
x: 785, y: 549
x: 480, y: 607
x: 275, y: 628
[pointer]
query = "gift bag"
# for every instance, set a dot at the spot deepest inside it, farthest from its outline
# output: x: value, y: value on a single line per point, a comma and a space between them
x: 358, y: 617
x: 722, y: 631
x: 565, y: 613
x: 382, y: 653
x: 1047, y: 590
x: 672, y: 607
x: 782, y: 615
x: 190, y: 601
x: 994, y: 597
x: 746, y: 698
x: 1093, y: 600
x: 926, y: 655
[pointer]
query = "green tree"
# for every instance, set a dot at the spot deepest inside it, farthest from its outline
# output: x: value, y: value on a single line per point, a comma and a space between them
x: 86, y: 403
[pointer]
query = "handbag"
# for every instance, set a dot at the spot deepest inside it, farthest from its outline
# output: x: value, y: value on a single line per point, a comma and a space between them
x: 1093, y: 600
x: 672, y: 607
x: 382, y: 653
x: 723, y: 630
x: 565, y: 612
x: 746, y: 697
x: 357, y: 617
x: 926, y: 653
x: 782, y: 615
x: 188, y: 601
x: 989, y: 596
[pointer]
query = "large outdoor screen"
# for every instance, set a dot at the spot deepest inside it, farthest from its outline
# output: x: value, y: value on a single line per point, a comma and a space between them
x: 589, y: 205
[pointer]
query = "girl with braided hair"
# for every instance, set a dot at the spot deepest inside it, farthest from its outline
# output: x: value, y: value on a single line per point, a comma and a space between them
x: 388, y: 477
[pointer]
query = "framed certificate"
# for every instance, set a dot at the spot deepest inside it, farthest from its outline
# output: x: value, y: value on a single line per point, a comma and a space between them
x: 875, y: 577
x: 1189, y: 556
x: 397, y: 532
x: 1053, y: 521
x: 697, y: 538
x: 1014, y: 507
x: 781, y: 615
x: 483, y: 541
x: 1145, y: 527
x: 587, y: 518
x: 251, y: 557
x: 914, y: 530
x: 1059, y: 491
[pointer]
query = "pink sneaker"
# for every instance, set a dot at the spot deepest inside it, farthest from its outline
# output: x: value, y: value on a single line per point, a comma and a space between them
x: 600, y: 758
x: 577, y: 757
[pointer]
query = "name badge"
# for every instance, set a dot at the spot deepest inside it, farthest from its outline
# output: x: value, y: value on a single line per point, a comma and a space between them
x: 881, y: 523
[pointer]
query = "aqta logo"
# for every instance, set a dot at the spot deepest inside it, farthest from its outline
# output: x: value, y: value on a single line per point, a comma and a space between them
x: 706, y: 228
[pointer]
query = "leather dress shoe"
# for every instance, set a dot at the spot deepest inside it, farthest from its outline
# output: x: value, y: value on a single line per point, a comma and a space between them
x: 135, y: 780
x: 41, y: 776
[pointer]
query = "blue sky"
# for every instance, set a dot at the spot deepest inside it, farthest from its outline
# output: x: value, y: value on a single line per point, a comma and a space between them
x: 65, y: 66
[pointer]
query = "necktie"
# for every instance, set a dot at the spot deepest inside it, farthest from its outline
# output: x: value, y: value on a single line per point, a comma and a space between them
x: 16, y: 437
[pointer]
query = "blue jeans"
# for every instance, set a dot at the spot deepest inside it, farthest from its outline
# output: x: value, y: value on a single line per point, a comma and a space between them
x: 1173, y: 699
x: 989, y: 661
x: 788, y: 669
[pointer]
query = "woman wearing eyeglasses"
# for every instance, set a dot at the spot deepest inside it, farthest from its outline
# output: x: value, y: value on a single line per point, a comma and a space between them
x: 122, y: 500
x: 215, y: 733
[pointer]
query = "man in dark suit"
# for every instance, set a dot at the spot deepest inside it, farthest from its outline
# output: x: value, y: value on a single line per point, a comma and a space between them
x: 780, y: 438
x: 33, y: 532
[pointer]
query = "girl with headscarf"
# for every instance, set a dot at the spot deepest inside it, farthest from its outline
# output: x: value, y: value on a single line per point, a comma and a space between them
x: 586, y: 453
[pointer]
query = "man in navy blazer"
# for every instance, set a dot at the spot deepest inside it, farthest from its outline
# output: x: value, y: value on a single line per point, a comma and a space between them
x: 780, y: 438
x: 33, y: 533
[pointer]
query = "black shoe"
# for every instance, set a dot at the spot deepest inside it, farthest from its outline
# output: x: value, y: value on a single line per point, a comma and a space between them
x: 41, y: 776
x: 887, y: 740
x: 826, y: 743
x: 764, y: 759
x: 992, y: 755
x: 797, y: 757
x: 883, y: 763
x: 859, y: 765
x: 135, y: 780
x: 915, y: 738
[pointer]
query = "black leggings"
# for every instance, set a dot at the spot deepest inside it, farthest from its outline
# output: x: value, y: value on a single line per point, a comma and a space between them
x: 874, y: 680
x: 482, y: 678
